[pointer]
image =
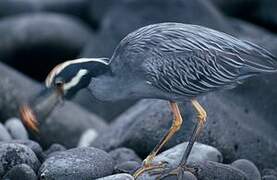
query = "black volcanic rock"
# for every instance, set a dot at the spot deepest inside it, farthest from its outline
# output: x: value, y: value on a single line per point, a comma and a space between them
x: 121, y: 155
x: 12, y: 154
x: 248, y: 168
x: 77, y: 163
x: 15, y: 7
x: 34, y: 146
x: 22, y: 172
x: 29, y: 45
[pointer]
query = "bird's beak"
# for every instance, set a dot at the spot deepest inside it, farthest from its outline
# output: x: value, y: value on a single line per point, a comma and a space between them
x: 39, y: 108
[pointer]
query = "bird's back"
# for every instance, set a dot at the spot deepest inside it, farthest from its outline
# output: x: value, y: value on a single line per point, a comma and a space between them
x: 189, y: 59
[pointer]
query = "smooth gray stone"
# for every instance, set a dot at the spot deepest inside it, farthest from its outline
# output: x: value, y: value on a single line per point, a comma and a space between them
x: 12, y: 154
x: 28, y: 42
x: 200, y: 152
x: 64, y: 126
x: 87, y: 138
x: 20, y: 172
x: 34, y: 146
x: 209, y: 170
x: 77, y: 163
x: 122, y: 176
x: 15, y: 7
x: 4, y: 134
x: 16, y: 129
x: 129, y: 167
x: 53, y: 149
x: 121, y: 155
x: 248, y: 168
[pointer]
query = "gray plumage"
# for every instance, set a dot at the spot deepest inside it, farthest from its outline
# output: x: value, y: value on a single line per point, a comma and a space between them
x: 181, y: 60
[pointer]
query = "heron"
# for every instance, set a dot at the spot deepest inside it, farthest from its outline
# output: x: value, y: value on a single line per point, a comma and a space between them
x: 171, y: 61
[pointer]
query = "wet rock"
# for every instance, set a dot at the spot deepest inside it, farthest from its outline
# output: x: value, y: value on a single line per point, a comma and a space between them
x: 4, y: 134
x: 209, y: 170
x: 12, y: 154
x: 77, y: 163
x: 248, y: 168
x: 53, y: 149
x: 121, y: 155
x: 16, y: 129
x: 25, y: 38
x: 87, y: 138
x: 34, y: 146
x: 14, y: 7
x: 200, y: 152
x: 64, y: 126
x: 22, y: 172
x: 246, y: 134
x: 122, y: 176
x: 129, y: 167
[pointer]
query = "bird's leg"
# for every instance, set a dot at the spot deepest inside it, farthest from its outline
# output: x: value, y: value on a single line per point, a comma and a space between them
x: 201, y: 118
x: 178, y: 172
x: 176, y: 124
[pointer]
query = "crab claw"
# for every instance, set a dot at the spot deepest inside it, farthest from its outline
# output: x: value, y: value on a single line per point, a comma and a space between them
x: 39, y: 108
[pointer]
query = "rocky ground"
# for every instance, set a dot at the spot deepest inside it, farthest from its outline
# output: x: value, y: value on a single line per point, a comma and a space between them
x: 88, y: 139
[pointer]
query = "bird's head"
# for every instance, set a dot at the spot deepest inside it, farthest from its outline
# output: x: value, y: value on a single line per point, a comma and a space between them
x: 64, y: 80
x: 71, y: 76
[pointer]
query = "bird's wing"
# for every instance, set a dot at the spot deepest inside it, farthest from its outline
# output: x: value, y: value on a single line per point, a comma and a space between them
x: 192, y: 73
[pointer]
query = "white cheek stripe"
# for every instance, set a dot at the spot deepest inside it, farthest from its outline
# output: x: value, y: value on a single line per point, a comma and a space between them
x: 57, y: 69
x: 75, y: 80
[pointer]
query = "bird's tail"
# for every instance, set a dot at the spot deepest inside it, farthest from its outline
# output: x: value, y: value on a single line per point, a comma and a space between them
x: 260, y: 60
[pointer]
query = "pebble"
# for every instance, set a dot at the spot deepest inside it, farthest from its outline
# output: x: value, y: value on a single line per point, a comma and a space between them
x: 4, y: 134
x: 87, y: 138
x: 121, y: 155
x: 34, y: 146
x: 122, y: 176
x: 16, y: 129
x: 248, y: 168
x: 54, y: 148
x: 129, y: 167
x: 77, y: 163
x: 12, y: 154
x: 20, y: 172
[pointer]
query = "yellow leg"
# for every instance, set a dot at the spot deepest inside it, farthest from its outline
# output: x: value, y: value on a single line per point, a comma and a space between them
x: 201, y: 118
x: 176, y: 124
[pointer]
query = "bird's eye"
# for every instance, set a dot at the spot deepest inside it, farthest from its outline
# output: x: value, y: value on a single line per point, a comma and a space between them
x: 59, y: 82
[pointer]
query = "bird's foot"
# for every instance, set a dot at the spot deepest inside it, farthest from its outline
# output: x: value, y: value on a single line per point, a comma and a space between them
x: 148, y: 165
x: 178, y: 172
